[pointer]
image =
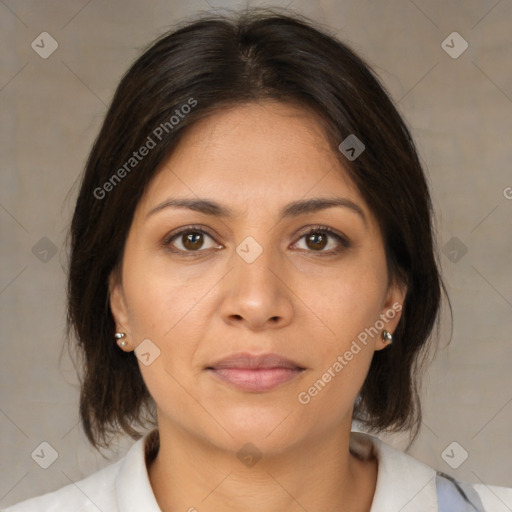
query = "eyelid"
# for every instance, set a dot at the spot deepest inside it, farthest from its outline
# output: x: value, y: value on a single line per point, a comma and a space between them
x: 185, y: 229
x: 175, y: 234
x: 318, y: 228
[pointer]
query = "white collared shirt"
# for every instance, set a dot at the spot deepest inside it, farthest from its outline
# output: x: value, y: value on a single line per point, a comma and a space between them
x: 403, y: 485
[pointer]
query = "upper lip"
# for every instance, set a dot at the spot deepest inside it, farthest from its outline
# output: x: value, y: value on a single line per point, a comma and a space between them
x: 249, y: 361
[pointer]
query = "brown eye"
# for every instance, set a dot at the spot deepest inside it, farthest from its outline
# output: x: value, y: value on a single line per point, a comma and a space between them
x: 189, y: 240
x: 192, y: 241
x: 318, y: 239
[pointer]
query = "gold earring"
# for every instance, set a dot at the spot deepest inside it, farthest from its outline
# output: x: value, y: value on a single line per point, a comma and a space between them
x: 387, y: 337
x: 120, y: 341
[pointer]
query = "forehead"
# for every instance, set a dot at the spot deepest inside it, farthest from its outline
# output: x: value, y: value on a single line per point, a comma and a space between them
x: 253, y: 155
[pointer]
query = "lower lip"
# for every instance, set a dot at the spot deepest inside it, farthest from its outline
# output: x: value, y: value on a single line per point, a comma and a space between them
x: 256, y: 380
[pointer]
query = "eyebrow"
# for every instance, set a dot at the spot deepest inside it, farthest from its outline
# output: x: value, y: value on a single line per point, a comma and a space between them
x: 294, y: 209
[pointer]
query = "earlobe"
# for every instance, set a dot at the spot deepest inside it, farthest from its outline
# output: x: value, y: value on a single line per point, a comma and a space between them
x: 391, y: 313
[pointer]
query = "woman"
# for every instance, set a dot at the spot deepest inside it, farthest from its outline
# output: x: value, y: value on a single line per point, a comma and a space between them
x: 251, y: 270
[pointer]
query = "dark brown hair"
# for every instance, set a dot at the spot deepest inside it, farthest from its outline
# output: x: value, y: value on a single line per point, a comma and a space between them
x: 210, y: 63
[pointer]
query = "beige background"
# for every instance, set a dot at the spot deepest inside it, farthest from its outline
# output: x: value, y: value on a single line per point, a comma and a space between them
x: 460, y: 111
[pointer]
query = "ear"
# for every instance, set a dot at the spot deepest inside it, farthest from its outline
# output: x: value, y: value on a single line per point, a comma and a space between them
x: 118, y: 303
x: 392, y: 310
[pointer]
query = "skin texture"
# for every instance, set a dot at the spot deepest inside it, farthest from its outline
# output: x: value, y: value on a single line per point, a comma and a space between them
x: 293, y: 300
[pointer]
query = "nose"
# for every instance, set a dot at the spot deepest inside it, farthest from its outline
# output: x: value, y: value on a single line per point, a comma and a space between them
x: 257, y: 294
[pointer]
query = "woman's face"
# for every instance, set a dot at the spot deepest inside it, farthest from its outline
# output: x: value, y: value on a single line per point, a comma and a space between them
x: 198, y: 285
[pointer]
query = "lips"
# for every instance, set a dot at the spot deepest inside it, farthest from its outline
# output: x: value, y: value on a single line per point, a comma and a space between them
x: 248, y: 361
x: 255, y: 373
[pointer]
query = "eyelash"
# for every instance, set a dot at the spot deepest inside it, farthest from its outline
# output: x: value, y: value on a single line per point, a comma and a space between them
x: 345, y: 244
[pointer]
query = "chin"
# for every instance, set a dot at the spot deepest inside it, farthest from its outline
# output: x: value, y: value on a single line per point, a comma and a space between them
x: 270, y: 429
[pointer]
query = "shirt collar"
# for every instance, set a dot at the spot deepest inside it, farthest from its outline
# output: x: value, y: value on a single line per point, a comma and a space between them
x: 403, y: 483
x: 133, y: 488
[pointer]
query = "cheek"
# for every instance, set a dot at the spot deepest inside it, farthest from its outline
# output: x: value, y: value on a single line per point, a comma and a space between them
x: 159, y: 298
x: 349, y: 300
x: 162, y: 307
x: 167, y: 306
x: 349, y: 307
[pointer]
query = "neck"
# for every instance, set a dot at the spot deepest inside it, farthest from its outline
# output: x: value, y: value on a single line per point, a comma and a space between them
x: 192, y: 475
